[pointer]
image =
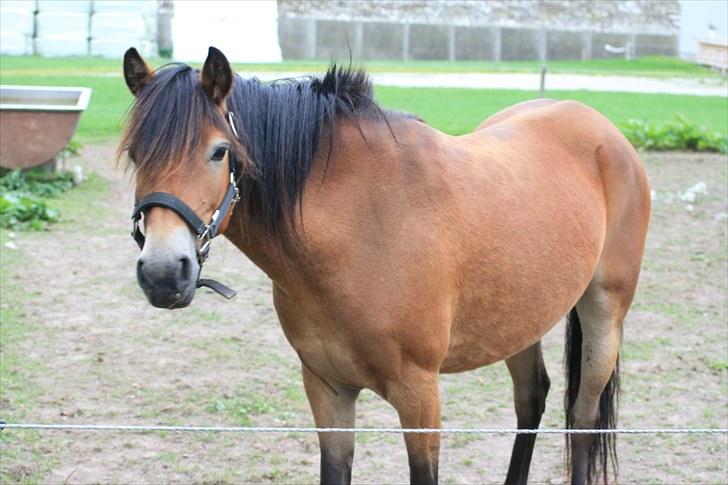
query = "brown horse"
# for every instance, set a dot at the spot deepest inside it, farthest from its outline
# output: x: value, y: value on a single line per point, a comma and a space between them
x: 397, y: 252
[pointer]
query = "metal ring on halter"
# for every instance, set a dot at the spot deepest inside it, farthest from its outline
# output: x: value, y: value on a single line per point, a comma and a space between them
x: 232, y: 124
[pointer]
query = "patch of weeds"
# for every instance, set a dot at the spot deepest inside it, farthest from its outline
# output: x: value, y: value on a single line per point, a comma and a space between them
x: 73, y: 148
x: 680, y: 134
x: 718, y: 365
x: 295, y: 393
x: 462, y: 440
x: 168, y: 457
x: 40, y: 182
x: 196, y: 314
x: 23, y: 197
x: 276, y: 474
x: 25, y: 212
x: 242, y: 409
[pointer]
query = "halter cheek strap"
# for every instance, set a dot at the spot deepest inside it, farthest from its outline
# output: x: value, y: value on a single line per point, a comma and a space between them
x: 204, y: 232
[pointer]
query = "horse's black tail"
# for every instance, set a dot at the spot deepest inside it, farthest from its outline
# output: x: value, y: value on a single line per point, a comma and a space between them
x: 604, y: 447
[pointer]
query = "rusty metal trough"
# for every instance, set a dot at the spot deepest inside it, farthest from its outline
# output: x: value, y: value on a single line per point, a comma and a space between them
x: 37, y: 122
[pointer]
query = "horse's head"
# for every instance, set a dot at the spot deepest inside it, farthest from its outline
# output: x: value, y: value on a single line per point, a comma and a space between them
x: 186, y: 158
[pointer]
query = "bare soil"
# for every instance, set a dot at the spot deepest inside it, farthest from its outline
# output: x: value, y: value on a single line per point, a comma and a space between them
x: 82, y: 345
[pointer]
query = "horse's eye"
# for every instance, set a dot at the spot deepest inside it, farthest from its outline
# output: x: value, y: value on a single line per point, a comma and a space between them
x: 219, y: 154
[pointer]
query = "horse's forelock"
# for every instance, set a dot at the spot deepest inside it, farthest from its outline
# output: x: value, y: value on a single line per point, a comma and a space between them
x: 166, y: 121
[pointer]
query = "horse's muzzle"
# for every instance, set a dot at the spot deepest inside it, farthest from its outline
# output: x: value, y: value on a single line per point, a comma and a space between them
x: 167, y: 283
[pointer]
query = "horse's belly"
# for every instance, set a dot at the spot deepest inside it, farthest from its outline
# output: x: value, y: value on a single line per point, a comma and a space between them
x: 497, y: 324
x: 483, y: 341
x: 515, y: 290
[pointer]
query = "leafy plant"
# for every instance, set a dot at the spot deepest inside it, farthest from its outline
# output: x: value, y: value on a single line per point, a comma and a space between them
x: 20, y: 211
x: 38, y: 182
x: 73, y: 147
x: 680, y: 134
x: 22, y: 194
x: 243, y: 409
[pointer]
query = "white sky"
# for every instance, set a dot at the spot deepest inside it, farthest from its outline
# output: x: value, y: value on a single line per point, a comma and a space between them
x: 243, y: 31
x: 695, y: 17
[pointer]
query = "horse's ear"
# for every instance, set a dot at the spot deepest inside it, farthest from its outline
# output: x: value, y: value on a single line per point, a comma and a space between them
x: 216, y: 76
x: 136, y: 72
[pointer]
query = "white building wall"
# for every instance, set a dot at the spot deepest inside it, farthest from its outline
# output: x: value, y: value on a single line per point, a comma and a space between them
x: 16, y: 27
x: 78, y: 27
x: 118, y: 25
x: 62, y: 27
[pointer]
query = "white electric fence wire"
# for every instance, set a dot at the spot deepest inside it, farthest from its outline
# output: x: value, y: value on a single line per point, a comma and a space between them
x: 285, y: 429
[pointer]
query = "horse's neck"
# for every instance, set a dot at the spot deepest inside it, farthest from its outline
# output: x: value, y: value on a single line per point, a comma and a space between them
x: 261, y: 247
x: 291, y: 261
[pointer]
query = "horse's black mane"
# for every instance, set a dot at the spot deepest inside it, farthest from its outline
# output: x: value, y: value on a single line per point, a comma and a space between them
x: 280, y: 125
x: 283, y: 122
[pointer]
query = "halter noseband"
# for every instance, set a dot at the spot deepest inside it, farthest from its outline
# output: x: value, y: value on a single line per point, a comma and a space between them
x: 204, y: 232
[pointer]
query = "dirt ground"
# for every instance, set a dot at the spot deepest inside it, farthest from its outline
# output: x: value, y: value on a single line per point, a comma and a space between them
x: 82, y: 345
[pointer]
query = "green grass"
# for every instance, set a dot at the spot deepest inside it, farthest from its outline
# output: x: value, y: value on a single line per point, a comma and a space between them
x: 644, y: 66
x: 455, y: 111
x: 82, y: 206
x: 458, y: 111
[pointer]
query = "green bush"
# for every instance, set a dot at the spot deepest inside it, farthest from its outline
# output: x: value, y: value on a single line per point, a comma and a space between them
x: 22, y: 204
x: 681, y: 134
x: 39, y: 182
x: 18, y: 211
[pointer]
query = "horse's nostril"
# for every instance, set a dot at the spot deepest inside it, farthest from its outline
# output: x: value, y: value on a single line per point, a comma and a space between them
x: 185, y: 270
x: 142, y: 278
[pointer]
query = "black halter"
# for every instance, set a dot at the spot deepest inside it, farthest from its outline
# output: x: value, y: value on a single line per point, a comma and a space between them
x: 204, y: 232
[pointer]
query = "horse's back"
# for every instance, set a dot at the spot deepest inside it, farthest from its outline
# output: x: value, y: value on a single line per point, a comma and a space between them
x: 524, y: 106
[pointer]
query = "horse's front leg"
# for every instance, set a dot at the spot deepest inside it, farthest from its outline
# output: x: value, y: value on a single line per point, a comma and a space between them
x: 333, y: 406
x: 417, y: 401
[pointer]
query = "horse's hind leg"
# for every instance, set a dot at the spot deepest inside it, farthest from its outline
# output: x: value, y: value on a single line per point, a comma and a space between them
x: 333, y: 406
x: 594, y: 331
x: 530, y: 387
x: 594, y: 327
